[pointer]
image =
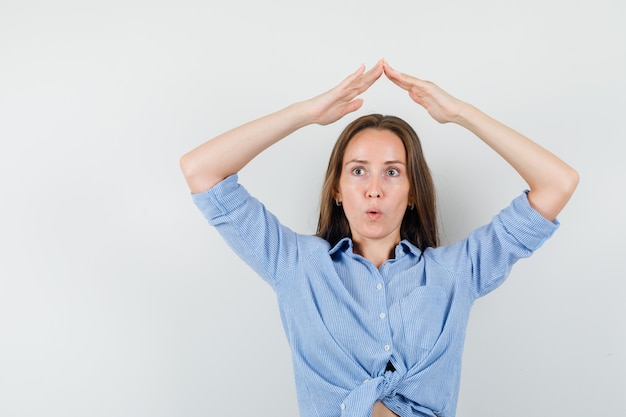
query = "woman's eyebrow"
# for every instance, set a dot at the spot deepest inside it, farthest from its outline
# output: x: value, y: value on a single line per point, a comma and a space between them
x: 357, y: 161
x: 364, y: 162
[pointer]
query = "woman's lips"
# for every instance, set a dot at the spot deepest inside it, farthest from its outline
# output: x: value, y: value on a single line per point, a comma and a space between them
x: 373, y: 214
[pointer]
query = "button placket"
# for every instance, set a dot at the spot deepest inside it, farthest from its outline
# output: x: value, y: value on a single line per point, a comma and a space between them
x: 380, y: 286
x: 383, y: 313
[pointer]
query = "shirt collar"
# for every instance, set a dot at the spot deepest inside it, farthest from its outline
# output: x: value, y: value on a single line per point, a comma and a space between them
x: 343, y: 245
x: 403, y: 248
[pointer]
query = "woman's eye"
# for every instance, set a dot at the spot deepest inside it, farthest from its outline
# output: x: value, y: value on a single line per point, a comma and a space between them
x: 392, y: 172
x: 358, y: 171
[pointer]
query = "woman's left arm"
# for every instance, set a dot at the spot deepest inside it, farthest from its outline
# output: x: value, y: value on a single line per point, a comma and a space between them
x: 551, y: 181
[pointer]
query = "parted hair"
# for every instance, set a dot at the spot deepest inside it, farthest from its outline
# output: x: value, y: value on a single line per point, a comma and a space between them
x: 419, y: 225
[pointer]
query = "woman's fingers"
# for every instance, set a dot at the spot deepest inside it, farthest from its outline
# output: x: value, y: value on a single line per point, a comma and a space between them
x: 414, y: 86
x: 373, y: 74
x: 356, y: 84
x: 439, y: 104
x: 404, y: 81
x: 401, y: 80
x: 361, y: 80
x: 342, y: 99
x: 352, y: 77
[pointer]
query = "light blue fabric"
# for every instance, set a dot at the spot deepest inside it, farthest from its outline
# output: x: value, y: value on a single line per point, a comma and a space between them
x: 345, y: 319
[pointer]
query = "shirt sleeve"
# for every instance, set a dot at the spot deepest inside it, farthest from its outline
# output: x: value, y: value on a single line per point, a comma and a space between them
x: 254, y: 233
x: 486, y: 256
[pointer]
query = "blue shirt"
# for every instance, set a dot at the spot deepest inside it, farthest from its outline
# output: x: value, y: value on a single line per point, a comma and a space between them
x: 345, y: 319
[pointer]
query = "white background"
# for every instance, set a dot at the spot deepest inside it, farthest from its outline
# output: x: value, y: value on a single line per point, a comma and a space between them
x: 116, y: 297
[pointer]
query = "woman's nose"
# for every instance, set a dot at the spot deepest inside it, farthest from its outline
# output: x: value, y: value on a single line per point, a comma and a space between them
x: 373, y: 190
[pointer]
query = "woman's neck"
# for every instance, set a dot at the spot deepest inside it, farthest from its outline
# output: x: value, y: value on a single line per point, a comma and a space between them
x: 375, y: 251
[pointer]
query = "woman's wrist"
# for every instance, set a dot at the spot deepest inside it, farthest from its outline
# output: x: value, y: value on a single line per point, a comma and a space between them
x: 302, y: 114
x: 465, y: 115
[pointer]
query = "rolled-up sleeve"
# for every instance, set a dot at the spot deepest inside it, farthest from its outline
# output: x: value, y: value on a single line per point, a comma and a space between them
x: 486, y: 256
x: 528, y: 227
x: 255, y: 234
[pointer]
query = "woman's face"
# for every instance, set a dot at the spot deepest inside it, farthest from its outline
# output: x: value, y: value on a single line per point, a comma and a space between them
x: 374, y: 185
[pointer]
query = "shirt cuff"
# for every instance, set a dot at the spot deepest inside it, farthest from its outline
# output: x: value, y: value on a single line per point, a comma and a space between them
x: 223, y: 198
x: 529, y: 227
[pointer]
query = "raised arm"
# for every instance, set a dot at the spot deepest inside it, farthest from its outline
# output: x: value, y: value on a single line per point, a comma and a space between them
x: 228, y: 153
x: 551, y: 181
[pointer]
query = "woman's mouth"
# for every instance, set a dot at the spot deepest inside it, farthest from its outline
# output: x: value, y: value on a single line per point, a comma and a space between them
x: 373, y: 214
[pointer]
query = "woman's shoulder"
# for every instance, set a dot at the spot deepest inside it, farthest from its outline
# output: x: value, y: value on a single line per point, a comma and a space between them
x: 314, y: 243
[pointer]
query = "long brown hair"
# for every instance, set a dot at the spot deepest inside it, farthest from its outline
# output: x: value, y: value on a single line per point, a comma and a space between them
x: 419, y: 225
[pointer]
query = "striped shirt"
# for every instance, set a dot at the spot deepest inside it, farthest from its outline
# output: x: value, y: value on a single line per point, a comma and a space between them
x: 346, y: 320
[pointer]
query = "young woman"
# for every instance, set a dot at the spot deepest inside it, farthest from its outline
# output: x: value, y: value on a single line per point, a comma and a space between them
x: 374, y: 310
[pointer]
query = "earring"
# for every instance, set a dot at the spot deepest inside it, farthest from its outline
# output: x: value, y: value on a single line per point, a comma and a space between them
x: 337, y: 202
x: 412, y: 206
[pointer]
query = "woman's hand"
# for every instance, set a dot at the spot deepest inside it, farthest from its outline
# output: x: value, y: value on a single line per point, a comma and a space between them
x: 342, y: 99
x: 440, y: 105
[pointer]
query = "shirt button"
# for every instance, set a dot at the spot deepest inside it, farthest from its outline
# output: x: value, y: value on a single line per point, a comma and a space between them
x: 379, y: 286
x: 387, y: 347
x: 382, y: 315
x: 343, y: 406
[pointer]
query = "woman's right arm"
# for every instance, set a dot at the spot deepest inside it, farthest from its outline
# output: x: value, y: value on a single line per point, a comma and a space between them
x: 229, y: 152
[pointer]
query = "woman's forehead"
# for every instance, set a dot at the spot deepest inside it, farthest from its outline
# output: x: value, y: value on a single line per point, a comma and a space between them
x: 374, y: 145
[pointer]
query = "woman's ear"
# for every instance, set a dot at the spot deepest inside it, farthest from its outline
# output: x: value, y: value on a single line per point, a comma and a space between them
x: 411, y: 202
x: 337, y: 197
